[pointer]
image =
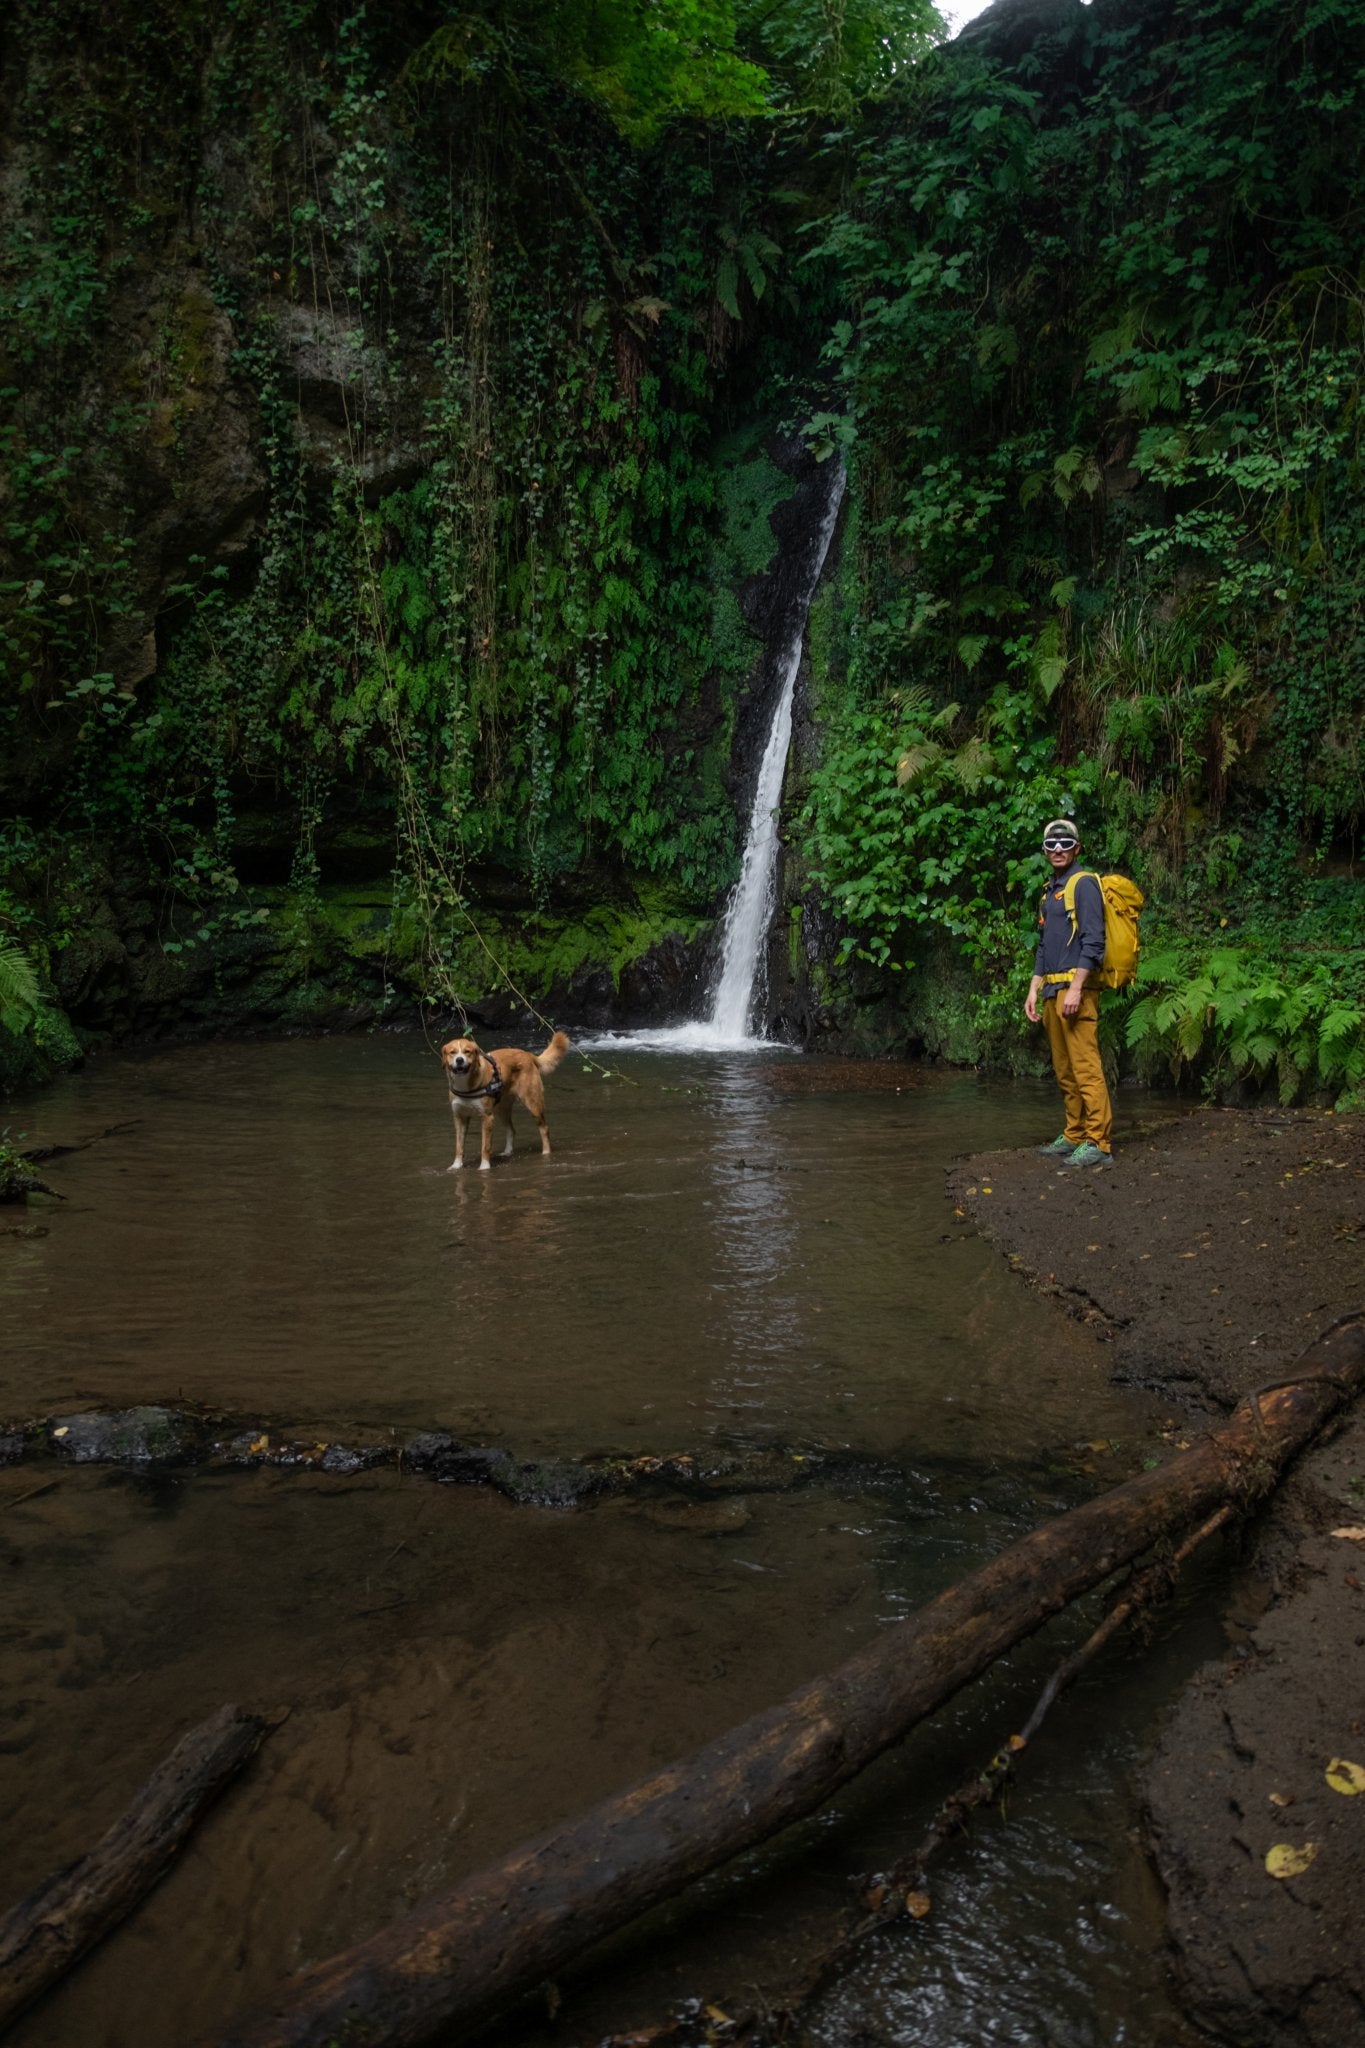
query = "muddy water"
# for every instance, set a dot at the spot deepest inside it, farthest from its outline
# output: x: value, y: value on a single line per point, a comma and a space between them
x: 747, y: 1249
x: 720, y: 1247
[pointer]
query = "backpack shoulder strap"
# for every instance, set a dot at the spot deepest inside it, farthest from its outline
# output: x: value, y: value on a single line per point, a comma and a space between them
x: 1069, y: 893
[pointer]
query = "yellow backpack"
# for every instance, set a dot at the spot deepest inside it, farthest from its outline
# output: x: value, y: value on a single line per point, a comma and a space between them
x: 1123, y: 901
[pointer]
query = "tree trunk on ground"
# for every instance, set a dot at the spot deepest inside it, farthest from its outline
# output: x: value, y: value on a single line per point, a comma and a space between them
x: 459, y: 1957
x: 47, y: 1933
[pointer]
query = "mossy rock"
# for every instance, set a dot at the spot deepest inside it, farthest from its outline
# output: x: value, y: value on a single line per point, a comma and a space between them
x: 127, y: 1436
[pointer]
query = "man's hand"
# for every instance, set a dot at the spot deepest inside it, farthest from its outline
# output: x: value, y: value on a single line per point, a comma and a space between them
x: 1070, y: 998
x: 1031, y: 999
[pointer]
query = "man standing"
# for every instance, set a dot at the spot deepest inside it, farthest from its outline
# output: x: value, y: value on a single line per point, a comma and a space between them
x: 1070, y: 952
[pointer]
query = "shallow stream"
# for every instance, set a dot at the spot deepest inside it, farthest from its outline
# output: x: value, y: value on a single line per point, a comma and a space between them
x: 726, y: 1251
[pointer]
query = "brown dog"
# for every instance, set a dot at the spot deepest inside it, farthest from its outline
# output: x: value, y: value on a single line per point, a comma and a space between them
x: 487, y: 1084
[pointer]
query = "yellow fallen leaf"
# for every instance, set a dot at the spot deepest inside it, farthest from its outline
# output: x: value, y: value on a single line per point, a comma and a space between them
x: 1284, y: 1860
x: 917, y: 1905
x: 64, y: 1431
x: 1017, y: 1742
x: 1351, y: 1535
x: 722, y: 2019
x: 1345, y: 1777
x: 262, y: 1443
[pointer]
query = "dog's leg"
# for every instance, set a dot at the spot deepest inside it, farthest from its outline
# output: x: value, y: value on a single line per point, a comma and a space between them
x: 533, y: 1098
x: 486, y: 1141
x: 507, y: 1148
x: 458, y: 1160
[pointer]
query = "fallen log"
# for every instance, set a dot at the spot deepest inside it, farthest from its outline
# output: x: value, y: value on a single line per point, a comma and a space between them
x: 48, y: 1932
x: 456, y: 1959
x: 898, y: 1894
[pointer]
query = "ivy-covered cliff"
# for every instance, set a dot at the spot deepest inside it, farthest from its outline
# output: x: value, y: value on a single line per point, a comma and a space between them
x: 399, y: 408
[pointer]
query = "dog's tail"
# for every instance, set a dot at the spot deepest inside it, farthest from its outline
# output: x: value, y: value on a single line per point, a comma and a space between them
x: 554, y: 1052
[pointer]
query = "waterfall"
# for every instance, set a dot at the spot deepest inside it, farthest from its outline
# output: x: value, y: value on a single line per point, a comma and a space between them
x: 749, y: 911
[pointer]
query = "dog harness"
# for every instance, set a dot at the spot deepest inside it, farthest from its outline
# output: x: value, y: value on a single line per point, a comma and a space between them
x: 492, y: 1089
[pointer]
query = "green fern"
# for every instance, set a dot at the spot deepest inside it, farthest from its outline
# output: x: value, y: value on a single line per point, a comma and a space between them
x: 20, y: 1001
x: 1303, y: 1026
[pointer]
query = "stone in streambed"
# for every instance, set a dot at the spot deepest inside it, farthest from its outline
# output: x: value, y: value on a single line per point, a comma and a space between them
x: 125, y: 1436
x: 551, y: 1483
x: 349, y: 1458
x: 445, y: 1458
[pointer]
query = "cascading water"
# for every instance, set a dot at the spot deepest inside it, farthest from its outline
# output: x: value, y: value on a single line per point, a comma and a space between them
x: 749, y: 911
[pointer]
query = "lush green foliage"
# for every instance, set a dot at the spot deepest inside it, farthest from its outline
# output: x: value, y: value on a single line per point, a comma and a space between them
x: 458, y: 293
x: 1244, y: 1013
x: 379, y: 452
x: 1101, y: 386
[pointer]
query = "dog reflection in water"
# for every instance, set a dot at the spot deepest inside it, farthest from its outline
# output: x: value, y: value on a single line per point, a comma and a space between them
x: 487, y: 1085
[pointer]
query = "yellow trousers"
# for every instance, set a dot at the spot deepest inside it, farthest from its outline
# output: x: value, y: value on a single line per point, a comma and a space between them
x: 1075, y: 1048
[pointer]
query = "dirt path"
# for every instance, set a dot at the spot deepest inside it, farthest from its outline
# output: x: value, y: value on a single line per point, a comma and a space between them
x: 1214, y: 1250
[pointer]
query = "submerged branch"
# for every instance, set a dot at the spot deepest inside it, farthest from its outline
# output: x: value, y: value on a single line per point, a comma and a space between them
x: 47, y: 1934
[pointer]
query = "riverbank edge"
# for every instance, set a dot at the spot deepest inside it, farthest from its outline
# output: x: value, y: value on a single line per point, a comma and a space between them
x: 1219, y: 1245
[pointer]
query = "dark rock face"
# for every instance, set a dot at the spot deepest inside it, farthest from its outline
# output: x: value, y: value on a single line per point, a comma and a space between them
x: 1010, y: 28
x: 197, y: 482
x: 774, y: 604
x: 664, y: 984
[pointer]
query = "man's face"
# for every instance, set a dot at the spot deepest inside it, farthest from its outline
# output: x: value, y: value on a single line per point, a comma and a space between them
x: 1061, y: 849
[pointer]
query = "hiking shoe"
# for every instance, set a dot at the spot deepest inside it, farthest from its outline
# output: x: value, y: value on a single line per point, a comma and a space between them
x: 1060, y: 1148
x: 1090, y: 1155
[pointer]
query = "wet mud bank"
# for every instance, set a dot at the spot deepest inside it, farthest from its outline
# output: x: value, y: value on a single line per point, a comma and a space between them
x: 1211, y: 1255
